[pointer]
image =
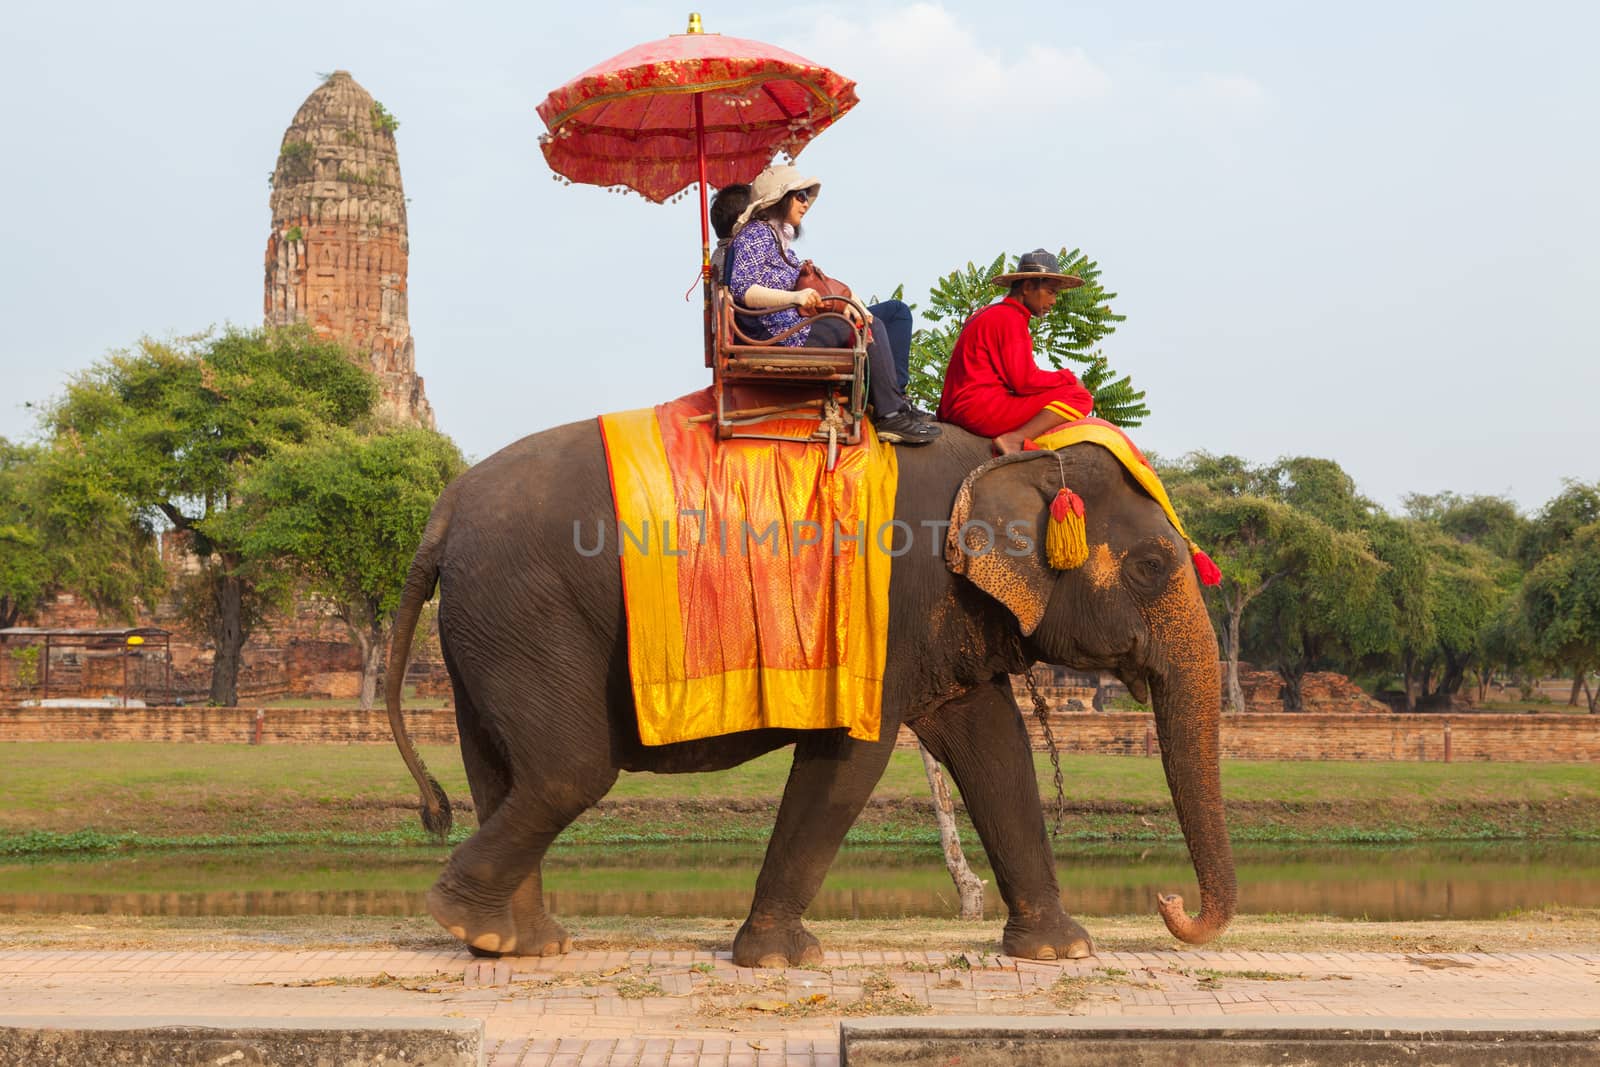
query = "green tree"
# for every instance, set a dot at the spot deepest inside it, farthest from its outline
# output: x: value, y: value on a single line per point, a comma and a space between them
x: 1400, y: 625
x: 1322, y: 488
x: 1493, y: 523
x: 1550, y: 531
x: 25, y: 570
x: 1555, y: 592
x: 1353, y: 603
x: 1318, y: 619
x: 345, y: 514
x: 61, y: 529
x: 1507, y: 644
x: 1561, y: 598
x: 172, y: 428
x: 1070, y: 333
x: 1467, y: 587
x: 1477, y: 580
x: 1258, y: 542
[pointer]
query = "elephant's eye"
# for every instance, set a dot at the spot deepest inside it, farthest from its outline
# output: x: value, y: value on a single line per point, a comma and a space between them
x: 1148, y: 565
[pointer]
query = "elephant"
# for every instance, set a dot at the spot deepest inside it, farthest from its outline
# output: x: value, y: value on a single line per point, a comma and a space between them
x: 534, y: 639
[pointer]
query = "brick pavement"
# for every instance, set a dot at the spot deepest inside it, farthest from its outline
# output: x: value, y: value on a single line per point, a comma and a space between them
x: 665, y: 1008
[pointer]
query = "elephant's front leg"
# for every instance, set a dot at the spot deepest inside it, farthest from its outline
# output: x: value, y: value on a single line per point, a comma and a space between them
x: 980, y: 737
x: 829, y: 784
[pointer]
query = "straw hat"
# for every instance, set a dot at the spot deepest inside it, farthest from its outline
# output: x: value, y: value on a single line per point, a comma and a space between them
x: 772, y: 185
x: 1041, y: 265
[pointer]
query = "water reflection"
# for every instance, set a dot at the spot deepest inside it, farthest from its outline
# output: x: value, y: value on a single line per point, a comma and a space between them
x: 1433, y: 881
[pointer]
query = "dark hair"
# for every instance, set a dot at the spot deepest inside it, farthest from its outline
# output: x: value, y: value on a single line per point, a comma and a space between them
x: 780, y: 211
x: 727, y: 206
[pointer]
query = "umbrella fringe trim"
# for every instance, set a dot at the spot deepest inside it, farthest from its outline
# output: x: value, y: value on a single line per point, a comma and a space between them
x: 709, y: 87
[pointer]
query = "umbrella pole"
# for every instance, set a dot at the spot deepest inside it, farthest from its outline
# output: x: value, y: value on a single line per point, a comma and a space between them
x: 700, y: 152
x: 705, y: 221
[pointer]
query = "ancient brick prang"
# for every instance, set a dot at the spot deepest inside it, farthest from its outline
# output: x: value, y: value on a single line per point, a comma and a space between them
x: 337, y: 254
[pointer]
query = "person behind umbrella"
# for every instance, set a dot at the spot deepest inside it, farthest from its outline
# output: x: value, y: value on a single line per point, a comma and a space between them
x: 761, y: 273
x: 727, y: 204
x: 992, y: 386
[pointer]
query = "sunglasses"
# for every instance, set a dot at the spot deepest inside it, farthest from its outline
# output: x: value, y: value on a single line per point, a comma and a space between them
x: 802, y: 196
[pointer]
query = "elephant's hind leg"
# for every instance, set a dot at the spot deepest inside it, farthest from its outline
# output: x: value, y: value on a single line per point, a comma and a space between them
x: 491, y: 894
x: 535, y: 933
x: 828, y: 786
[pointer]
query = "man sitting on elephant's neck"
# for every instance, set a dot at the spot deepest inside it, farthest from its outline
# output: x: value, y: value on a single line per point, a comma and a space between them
x: 992, y: 386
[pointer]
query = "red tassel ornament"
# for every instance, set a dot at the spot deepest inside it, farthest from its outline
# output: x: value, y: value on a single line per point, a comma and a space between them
x: 1210, y: 573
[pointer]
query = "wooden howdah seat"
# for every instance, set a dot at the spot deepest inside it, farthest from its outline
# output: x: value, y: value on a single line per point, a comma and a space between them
x: 755, y: 380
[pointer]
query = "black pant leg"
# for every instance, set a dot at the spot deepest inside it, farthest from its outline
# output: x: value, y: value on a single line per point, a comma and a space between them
x: 883, y: 388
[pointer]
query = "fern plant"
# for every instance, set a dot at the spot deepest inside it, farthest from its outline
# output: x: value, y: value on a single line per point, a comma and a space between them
x: 1070, y: 333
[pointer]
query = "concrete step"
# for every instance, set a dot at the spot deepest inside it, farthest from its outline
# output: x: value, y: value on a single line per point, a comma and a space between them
x: 977, y: 1041
x: 239, y: 1041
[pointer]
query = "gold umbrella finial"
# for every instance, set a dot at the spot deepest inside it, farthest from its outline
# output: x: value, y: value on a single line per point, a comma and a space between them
x: 694, y: 23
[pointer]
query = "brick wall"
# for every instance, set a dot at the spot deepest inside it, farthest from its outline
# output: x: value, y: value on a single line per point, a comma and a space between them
x: 1473, y: 736
x: 227, y: 725
x: 1538, y: 738
x: 1321, y: 692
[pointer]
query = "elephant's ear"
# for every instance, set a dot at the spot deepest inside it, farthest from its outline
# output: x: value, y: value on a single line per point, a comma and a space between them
x: 996, y: 535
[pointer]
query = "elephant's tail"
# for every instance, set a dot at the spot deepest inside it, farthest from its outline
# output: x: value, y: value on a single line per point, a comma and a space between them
x: 420, y: 582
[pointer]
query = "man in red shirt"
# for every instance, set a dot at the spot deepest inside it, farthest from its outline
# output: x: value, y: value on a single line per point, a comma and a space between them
x: 993, y: 387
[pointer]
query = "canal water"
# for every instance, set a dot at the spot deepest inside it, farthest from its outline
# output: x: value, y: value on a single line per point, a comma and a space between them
x: 1455, y: 881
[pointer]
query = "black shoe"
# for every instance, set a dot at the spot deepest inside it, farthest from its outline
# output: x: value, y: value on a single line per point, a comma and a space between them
x: 904, y: 428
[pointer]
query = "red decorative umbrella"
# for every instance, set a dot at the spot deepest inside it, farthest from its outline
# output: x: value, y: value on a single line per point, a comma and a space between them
x: 690, y: 107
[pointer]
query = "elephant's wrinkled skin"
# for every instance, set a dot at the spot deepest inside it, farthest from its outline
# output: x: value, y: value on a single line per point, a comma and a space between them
x: 534, y: 638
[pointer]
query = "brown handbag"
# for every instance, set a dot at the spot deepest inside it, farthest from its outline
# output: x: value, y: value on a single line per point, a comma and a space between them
x: 812, y: 277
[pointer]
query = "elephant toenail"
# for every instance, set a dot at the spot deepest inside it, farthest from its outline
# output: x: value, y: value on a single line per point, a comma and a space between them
x: 773, y: 960
x: 1079, y: 950
x: 488, y: 942
x: 1046, y: 952
x: 551, y: 948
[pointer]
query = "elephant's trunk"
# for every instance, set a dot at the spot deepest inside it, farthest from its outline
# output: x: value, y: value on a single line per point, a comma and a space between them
x: 1188, y: 706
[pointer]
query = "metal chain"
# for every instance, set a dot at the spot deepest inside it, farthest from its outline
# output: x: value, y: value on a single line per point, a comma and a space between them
x: 1042, y: 711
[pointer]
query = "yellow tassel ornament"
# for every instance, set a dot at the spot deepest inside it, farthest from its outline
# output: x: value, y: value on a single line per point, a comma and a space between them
x: 1066, y: 544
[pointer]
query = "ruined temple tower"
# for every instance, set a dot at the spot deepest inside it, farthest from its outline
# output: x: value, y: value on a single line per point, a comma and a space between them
x: 337, y: 254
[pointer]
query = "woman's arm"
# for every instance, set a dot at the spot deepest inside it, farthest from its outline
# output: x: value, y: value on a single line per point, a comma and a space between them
x: 759, y: 296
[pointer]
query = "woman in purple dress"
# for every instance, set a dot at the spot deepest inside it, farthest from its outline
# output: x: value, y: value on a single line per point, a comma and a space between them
x: 762, y: 272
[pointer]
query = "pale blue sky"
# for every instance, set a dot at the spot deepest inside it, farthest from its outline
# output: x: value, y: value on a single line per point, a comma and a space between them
x: 1364, y: 231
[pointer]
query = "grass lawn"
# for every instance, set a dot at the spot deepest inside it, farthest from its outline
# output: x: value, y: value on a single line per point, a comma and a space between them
x: 192, y: 790
x: 68, y: 775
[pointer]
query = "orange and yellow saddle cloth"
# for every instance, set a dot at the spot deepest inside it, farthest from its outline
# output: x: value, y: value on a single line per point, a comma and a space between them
x: 756, y: 594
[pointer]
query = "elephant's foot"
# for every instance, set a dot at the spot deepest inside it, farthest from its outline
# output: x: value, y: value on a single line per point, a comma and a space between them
x: 1057, y: 937
x: 775, y: 943
x: 550, y: 937
x: 503, y: 931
